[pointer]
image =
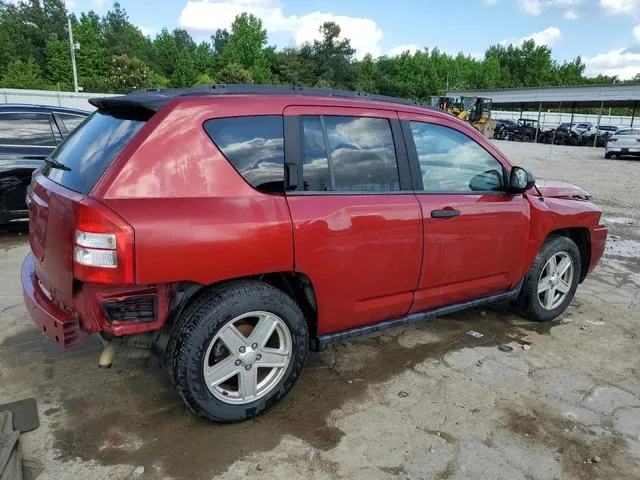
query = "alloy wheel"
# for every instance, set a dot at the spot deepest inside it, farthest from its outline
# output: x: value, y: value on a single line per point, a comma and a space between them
x: 555, y: 280
x: 248, y: 357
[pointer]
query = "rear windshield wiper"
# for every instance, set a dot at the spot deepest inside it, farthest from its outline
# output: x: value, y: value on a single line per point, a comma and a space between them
x: 56, y: 164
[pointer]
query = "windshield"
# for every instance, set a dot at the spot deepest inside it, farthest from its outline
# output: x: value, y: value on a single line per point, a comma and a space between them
x: 89, y: 151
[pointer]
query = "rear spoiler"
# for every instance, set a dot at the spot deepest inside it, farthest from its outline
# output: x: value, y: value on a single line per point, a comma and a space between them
x: 139, y: 105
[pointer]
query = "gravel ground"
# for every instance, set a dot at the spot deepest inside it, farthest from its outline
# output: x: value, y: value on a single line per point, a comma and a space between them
x: 425, y: 402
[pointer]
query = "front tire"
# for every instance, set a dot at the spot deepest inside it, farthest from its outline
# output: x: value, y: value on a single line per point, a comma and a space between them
x: 237, y: 350
x: 552, y: 280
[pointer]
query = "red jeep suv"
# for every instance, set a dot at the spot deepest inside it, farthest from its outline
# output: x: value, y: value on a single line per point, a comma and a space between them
x: 239, y: 226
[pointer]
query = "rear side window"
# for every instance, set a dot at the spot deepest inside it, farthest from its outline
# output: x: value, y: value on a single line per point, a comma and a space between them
x: 254, y: 146
x: 26, y: 129
x: 71, y: 121
x: 89, y: 150
x: 348, y: 154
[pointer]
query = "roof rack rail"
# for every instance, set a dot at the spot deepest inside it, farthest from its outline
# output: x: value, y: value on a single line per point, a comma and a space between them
x: 153, y: 99
x: 240, y: 88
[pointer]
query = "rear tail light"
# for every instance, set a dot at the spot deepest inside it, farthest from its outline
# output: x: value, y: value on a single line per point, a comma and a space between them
x: 613, y: 139
x: 638, y: 139
x: 103, y: 245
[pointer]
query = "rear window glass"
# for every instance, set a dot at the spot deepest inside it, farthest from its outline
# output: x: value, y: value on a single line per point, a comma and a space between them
x: 254, y: 146
x: 628, y: 132
x: 89, y: 150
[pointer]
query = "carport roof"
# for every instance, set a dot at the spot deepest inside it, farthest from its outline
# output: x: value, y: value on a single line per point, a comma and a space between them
x: 551, y: 97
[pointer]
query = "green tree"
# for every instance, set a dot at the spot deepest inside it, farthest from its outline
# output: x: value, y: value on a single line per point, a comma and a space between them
x: 246, y: 48
x: 234, y: 73
x: 185, y: 73
x: 22, y: 74
x: 58, y: 63
x: 121, y: 37
x: 127, y: 74
x: 91, y: 57
x: 332, y: 57
x: 203, y: 57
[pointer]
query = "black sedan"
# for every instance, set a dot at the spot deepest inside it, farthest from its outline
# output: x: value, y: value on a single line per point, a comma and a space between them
x: 28, y: 134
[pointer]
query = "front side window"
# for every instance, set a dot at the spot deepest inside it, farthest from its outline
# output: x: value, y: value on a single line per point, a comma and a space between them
x: 348, y: 154
x: 254, y: 146
x: 26, y: 130
x: 451, y: 162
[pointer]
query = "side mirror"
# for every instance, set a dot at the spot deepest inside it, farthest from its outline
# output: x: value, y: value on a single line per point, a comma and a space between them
x: 520, y: 180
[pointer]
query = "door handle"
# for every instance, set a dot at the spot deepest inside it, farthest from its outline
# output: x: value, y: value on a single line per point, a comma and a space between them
x: 445, y: 213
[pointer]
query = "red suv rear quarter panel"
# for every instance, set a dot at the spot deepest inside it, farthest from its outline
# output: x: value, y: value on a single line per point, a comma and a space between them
x: 194, y: 216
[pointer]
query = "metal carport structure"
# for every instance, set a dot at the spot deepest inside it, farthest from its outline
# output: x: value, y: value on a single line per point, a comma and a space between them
x: 586, y: 96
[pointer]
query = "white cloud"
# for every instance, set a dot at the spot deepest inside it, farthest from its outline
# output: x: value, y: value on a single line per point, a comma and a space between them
x: 546, y: 37
x: 207, y: 16
x: 571, y: 15
x: 70, y: 4
x: 537, y: 7
x: 490, y: 2
x: 636, y: 33
x: 146, y: 31
x: 620, y: 7
x: 400, y: 49
x: 99, y: 4
x: 620, y: 62
x: 531, y: 7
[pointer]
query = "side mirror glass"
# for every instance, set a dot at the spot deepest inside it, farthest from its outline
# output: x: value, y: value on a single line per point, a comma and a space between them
x: 521, y: 180
x: 489, y: 181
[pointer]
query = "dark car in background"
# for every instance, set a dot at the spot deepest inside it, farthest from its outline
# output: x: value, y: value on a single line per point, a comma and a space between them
x: 503, y: 129
x: 28, y: 135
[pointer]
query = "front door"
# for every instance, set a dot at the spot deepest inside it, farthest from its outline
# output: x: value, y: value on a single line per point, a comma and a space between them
x: 357, y: 224
x: 475, y: 233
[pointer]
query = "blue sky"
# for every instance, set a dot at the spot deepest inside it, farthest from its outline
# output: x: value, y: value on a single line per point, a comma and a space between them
x: 606, y: 33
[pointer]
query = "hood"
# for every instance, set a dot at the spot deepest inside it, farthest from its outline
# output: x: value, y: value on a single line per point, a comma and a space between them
x: 551, y: 188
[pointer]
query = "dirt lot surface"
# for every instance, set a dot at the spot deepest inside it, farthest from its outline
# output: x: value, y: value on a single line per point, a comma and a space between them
x: 426, y: 402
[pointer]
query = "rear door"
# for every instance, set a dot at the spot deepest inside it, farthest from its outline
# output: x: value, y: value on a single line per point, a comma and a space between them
x: 475, y: 234
x: 357, y: 224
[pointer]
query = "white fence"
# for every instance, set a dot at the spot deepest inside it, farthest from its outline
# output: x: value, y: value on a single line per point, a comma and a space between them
x: 553, y: 119
x: 80, y: 100
x: 45, y: 97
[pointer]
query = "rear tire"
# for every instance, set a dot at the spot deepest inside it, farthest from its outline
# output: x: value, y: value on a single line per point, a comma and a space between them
x: 608, y: 155
x: 220, y: 330
x: 552, y: 280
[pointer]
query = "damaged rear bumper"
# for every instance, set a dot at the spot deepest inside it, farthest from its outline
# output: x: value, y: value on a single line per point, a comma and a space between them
x: 57, y: 324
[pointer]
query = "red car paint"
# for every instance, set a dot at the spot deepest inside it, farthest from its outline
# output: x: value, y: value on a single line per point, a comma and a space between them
x: 367, y: 257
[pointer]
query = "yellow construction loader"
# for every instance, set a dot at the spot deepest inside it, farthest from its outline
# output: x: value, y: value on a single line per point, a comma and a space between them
x: 475, y: 110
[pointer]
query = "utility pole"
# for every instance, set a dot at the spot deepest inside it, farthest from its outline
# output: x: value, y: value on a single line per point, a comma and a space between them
x: 73, y: 47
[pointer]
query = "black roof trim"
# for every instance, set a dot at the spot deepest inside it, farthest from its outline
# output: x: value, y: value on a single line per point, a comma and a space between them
x: 154, y: 100
x: 24, y: 107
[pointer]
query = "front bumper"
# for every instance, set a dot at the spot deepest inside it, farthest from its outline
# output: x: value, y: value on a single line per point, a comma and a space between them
x: 598, y: 241
x: 57, y: 324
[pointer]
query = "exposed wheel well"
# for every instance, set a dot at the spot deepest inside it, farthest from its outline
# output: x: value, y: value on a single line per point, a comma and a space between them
x: 295, y: 284
x: 580, y: 236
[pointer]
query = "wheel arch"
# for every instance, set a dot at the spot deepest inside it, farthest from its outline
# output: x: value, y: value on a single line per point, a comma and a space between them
x: 295, y: 284
x: 581, y: 237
